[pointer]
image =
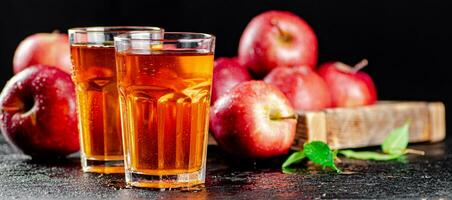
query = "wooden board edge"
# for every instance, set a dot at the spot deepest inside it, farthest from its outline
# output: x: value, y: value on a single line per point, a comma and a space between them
x: 437, y: 115
x: 316, y: 121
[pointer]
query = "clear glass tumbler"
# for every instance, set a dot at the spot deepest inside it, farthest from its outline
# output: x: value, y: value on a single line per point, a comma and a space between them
x: 94, y: 75
x: 164, y: 93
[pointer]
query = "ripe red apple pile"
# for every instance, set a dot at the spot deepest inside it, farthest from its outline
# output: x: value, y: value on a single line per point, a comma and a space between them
x: 257, y: 119
x: 37, y: 106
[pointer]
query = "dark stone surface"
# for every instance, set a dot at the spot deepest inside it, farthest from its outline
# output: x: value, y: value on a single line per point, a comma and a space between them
x: 421, y: 177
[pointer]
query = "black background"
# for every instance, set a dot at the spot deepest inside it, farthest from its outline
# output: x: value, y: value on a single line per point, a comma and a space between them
x: 408, y: 43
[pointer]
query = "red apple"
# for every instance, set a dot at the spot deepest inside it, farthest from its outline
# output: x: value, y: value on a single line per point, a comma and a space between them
x: 43, y: 48
x: 253, y: 120
x: 38, y: 112
x: 277, y: 38
x: 348, y: 86
x: 302, y: 86
x: 227, y: 73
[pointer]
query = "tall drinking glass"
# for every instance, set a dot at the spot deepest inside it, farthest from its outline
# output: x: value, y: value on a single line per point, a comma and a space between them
x: 94, y: 74
x: 164, y: 91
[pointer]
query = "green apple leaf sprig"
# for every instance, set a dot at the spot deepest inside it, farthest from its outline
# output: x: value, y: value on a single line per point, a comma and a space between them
x: 397, y: 140
x: 317, y: 151
x: 368, y: 155
x: 394, y: 147
x: 296, y: 157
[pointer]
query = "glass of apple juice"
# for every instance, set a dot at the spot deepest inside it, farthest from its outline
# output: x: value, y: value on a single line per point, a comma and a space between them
x: 94, y: 75
x: 164, y: 92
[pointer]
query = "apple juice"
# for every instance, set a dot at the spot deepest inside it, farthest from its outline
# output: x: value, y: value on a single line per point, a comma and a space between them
x: 94, y: 75
x: 165, y: 100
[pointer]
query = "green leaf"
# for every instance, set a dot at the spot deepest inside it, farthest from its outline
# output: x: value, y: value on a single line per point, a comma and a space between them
x: 289, y: 170
x: 369, y: 155
x: 397, y: 140
x: 320, y: 153
x: 294, y: 158
x: 335, y: 152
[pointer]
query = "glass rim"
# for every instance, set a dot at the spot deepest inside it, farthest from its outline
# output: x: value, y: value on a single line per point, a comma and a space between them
x: 114, y: 29
x: 125, y: 37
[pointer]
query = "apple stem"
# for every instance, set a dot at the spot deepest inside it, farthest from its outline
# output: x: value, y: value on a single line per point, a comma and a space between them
x: 275, y: 23
x: 363, y: 63
x: 56, y: 31
x: 284, y: 36
x: 283, y: 118
x: 414, y: 151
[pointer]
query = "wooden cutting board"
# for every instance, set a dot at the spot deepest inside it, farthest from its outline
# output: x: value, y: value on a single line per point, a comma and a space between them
x: 368, y: 125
